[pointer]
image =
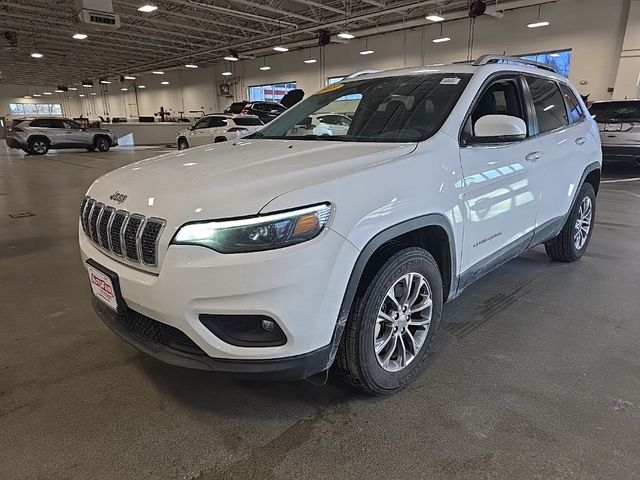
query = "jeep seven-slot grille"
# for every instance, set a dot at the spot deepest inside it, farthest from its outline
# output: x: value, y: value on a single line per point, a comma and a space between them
x: 130, y: 236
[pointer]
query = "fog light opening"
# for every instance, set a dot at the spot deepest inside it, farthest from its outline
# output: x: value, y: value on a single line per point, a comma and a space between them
x: 268, y: 325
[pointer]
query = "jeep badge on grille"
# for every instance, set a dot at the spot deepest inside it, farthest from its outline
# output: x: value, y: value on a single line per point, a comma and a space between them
x: 118, y: 197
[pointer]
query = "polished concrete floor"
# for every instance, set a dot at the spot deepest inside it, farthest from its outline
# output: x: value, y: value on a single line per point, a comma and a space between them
x: 535, y: 375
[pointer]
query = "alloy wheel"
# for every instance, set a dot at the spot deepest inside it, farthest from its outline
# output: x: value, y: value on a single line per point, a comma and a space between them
x: 403, y: 322
x: 39, y: 146
x: 583, y: 223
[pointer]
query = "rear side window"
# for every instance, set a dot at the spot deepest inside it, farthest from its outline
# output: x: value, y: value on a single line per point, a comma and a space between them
x: 217, y: 122
x: 573, y: 105
x: 202, y: 123
x: 548, y: 103
x: 248, y: 122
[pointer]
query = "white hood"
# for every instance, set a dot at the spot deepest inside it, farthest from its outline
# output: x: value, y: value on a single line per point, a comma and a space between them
x: 231, y: 180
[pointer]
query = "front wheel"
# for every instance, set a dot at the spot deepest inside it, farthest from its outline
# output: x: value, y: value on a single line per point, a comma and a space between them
x: 103, y: 144
x: 183, y: 144
x: 572, y: 242
x: 392, y: 324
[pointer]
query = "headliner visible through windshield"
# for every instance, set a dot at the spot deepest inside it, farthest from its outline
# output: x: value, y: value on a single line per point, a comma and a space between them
x: 390, y: 109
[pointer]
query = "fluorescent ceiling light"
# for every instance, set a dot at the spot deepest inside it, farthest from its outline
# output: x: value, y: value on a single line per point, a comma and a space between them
x: 310, y: 60
x: 164, y: 83
x: 367, y: 52
x: 435, y: 18
x: 191, y: 65
x: 80, y: 36
x: 124, y: 89
x: 73, y: 89
x: 37, y: 55
x: 37, y: 95
x: 129, y: 77
x: 47, y: 93
x: 93, y: 93
x: 280, y: 48
x: 441, y: 39
x: 231, y: 58
x: 538, y: 24
x: 148, y: 8
x: 105, y: 82
x: 28, y: 96
x: 57, y: 90
x: 142, y: 86
x: 346, y: 35
x: 81, y: 95
x: 265, y: 68
x: 227, y: 74
x: 158, y: 72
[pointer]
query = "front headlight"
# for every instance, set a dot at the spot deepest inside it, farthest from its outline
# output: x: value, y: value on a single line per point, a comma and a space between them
x: 264, y: 232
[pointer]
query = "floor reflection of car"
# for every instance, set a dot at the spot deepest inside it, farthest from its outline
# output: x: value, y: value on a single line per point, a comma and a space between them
x: 218, y: 128
x: 324, y: 124
x: 619, y: 125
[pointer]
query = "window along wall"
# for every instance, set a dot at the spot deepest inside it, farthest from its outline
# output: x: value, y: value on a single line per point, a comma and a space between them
x: 270, y: 93
x: 35, y: 109
x: 560, y: 60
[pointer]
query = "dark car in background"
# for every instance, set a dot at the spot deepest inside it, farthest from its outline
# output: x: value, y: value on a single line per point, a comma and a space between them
x: 619, y: 125
x: 266, y: 111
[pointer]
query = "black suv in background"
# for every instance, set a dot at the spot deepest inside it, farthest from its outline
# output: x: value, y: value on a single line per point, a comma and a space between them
x: 266, y: 111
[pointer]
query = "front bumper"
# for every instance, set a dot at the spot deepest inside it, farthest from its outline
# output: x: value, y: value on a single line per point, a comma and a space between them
x: 173, y: 347
x: 300, y: 287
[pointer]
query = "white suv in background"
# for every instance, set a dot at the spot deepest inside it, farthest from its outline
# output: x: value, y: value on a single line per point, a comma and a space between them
x: 292, y: 252
x: 218, y: 128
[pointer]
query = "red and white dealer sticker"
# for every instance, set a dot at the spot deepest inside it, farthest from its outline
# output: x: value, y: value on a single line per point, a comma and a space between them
x: 102, y: 287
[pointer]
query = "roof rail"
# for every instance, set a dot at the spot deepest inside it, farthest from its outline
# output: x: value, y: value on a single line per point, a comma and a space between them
x: 362, y: 72
x: 492, y: 58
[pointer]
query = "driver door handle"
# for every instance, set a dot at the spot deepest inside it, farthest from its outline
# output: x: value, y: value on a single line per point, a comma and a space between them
x: 581, y: 141
x: 534, y: 156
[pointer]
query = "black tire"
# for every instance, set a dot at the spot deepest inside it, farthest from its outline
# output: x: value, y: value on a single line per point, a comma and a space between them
x: 220, y: 139
x: 38, y: 145
x: 183, y: 144
x: 356, y: 359
x: 563, y: 248
x: 92, y: 148
x: 102, y: 143
x: 27, y: 151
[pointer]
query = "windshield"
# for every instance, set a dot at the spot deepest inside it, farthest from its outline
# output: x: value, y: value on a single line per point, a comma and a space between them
x: 391, y: 109
x: 615, y: 112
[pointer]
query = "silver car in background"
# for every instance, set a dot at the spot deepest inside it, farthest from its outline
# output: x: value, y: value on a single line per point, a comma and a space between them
x: 38, y: 135
x: 619, y: 125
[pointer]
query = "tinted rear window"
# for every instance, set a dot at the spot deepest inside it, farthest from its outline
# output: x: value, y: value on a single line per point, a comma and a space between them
x: 614, y: 112
x: 248, y: 121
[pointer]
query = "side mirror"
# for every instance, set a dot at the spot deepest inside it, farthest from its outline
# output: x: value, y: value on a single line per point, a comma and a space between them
x: 499, y: 129
x: 191, y: 127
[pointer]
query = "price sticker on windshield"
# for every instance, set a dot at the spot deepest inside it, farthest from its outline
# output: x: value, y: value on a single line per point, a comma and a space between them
x: 450, y: 81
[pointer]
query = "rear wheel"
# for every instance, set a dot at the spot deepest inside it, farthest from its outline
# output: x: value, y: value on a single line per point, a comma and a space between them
x: 392, y: 324
x: 183, y: 144
x: 102, y: 143
x: 572, y: 242
x: 220, y: 139
x: 38, y: 145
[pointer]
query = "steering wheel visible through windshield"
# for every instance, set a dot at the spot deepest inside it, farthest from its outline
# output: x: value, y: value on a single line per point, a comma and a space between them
x: 407, y: 108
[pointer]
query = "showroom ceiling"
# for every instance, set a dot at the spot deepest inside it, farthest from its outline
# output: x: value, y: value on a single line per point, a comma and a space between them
x: 179, y: 31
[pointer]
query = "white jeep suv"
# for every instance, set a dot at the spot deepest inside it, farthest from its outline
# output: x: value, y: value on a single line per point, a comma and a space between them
x: 218, y: 128
x: 282, y: 254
